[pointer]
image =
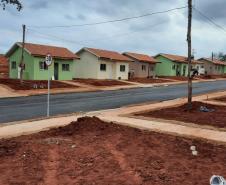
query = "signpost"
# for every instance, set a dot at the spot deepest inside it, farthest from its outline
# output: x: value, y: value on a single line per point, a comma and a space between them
x: 48, y: 62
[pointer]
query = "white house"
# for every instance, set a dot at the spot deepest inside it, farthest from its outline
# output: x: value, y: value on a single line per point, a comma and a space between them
x: 101, y: 64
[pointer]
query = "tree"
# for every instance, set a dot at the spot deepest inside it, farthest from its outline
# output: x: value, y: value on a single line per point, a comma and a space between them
x: 18, y: 4
x: 189, y: 55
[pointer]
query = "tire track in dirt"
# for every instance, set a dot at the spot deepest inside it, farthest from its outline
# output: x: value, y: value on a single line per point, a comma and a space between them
x: 120, y: 157
x: 51, y: 166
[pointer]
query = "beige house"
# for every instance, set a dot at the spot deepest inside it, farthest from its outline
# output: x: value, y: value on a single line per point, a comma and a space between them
x: 213, y: 66
x: 143, y: 66
x: 101, y: 64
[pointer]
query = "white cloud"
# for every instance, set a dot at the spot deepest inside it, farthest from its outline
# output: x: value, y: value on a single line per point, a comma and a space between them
x: 134, y: 35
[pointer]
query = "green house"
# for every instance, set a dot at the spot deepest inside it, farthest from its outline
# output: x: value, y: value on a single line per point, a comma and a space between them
x: 62, y: 67
x: 175, y: 65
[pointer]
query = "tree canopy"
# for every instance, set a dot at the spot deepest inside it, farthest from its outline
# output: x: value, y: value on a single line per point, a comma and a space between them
x: 17, y: 3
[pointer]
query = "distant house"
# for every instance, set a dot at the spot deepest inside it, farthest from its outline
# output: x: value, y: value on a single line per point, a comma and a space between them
x: 35, y: 67
x: 143, y: 66
x: 213, y: 66
x: 175, y: 65
x: 4, y: 67
x: 101, y: 64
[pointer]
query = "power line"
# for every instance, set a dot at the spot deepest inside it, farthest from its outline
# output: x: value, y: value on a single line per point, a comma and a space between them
x: 55, y: 37
x: 100, y: 39
x: 210, y: 20
x: 111, y: 21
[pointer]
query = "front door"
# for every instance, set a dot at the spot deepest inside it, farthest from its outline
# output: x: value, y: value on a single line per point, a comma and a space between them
x: 56, y: 71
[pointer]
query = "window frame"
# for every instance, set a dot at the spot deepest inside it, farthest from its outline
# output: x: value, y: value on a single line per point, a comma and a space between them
x: 65, y: 67
x: 13, y: 65
x: 143, y: 67
x: 103, y: 68
x: 122, y: 68
x: 43, y: 65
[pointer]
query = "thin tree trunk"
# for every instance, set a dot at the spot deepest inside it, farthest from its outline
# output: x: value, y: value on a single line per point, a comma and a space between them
x: 189, y: 54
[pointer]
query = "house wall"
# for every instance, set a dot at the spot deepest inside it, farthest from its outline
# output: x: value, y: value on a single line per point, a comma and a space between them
x: 200, y: 68
x: 122, y: 75
x: 87, y: 67
x: 136, y: 68
x: 32, y: 70
x: 212, y: 69
x: 28, y: 61
x: 165, y: 68
x: 41, y: 74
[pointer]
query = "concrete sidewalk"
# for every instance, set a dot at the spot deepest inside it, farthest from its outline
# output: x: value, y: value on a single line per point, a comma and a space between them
x: 123, y: 116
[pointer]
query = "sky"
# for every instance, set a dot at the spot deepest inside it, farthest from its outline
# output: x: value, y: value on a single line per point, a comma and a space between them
x: 160, y: 33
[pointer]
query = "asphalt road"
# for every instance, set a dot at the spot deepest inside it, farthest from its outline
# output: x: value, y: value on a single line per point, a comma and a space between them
x: 17, y: 109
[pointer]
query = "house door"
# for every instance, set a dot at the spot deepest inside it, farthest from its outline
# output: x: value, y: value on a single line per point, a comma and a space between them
x: 56, y: 71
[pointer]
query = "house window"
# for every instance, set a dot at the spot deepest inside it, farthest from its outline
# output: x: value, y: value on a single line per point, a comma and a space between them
x: 202, y: 67
x: 152, y: 68
x: 122, y: 68
x: 103, y: 67
x: 13, y: 65
x: 65, y: 67
x: 43, y: 66
x: 143, y: 67
x: 174, y: 67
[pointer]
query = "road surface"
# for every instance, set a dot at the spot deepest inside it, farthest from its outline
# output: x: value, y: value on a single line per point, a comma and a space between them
x: 21, y: 108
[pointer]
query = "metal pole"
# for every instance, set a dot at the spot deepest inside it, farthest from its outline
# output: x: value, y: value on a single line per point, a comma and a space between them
x: 22, y: 55
x: 48, y: 94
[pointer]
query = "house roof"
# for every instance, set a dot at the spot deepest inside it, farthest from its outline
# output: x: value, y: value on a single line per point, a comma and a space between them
x: 178, y: 58
x: 4, y: 66
x: 141, y: 57
x: 106, y: 54
x: 214, y: 61
x: 43, y: 50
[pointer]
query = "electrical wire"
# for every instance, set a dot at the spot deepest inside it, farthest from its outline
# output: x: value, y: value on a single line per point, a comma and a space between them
x: 111, y: 21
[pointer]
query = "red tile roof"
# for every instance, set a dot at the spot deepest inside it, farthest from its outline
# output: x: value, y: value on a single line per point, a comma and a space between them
x: 214, y: 61
x: 105, y: 54
x: 178, y: 58
x: 4, y: 66
x: 141, y: 57
x: 43, y: 50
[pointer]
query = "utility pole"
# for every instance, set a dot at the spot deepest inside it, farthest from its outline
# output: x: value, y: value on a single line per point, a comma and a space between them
x: 22, y: 55
x: 189, y: 54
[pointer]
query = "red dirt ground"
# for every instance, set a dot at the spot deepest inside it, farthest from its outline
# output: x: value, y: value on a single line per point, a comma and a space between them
x: 223, y: 99
x: 149, y: 80
x: 179, y: 78
x: 216, y: 118
x: 90, y: 151
x: 29, y: 84
x: 101, y: 82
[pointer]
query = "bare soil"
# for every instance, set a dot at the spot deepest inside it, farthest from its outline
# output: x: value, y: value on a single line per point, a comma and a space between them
x: 90, y: 151
x: 149, y: 80
x: 222, y: 99
x: 217, y: 118
x: 33, y: 84
x: 101, y: 82
x: 179, y: 78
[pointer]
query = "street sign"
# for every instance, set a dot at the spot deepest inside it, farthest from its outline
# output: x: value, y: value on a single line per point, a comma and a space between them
x: 48, y: 60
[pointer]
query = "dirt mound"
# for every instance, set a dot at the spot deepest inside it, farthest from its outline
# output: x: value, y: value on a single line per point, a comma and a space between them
x: 217, y: 118
x: 91, y: 151
x: 8, y: 147
x: 33, y: 84
x: 84, y: 124
x: 101, y: 82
